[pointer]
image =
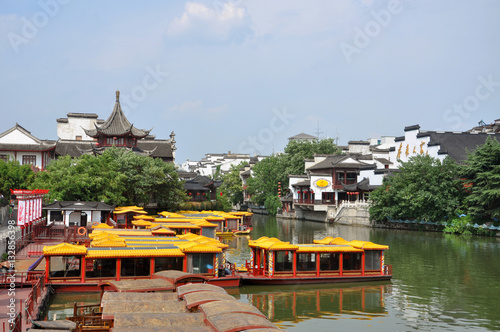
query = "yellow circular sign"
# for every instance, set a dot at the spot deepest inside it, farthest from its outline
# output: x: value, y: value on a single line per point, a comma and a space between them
x: 322, y: 183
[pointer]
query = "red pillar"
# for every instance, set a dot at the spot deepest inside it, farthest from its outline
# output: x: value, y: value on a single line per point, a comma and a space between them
x: 118, y: 269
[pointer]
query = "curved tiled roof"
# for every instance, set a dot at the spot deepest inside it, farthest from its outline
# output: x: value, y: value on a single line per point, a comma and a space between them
x: 117, y: 124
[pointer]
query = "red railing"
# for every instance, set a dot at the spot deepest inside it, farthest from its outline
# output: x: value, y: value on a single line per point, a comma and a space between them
x: 34, y: 297
x: 16, y: 326
x: 304, y: 201
x: 19, y: 278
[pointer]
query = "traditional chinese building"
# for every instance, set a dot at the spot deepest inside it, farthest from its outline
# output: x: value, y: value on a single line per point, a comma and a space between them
x: 19, y: 144
x: 115, y: 131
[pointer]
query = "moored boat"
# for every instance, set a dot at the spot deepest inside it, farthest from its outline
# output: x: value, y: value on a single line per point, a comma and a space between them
x: 331, y: 260
x: 121, y: 254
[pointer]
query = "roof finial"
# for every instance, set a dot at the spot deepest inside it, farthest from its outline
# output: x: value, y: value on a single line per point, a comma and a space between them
x: 117, y: 95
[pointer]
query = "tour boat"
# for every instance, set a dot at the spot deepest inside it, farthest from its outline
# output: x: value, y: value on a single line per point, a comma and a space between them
x: 121, y: 254
x: 331, y: 260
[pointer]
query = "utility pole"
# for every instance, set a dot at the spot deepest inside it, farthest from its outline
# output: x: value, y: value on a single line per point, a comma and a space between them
x: 318, y: 131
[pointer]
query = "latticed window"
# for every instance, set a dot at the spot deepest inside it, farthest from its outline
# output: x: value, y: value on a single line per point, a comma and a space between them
x: 4, y: 157
x: 29, y: 159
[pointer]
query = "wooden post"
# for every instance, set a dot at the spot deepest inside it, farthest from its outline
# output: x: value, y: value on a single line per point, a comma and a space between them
x: 118, y: 268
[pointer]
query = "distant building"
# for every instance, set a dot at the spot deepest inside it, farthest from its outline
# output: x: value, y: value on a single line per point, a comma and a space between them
x: 19, y: 144
x: 437, y: 144
x: 212, y: 162
x: 201, y: 188
x: 302, y: 137
x: 487, y: 128
x: 83, y: 133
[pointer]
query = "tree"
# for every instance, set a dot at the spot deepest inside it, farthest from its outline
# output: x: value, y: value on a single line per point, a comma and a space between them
x: 263, y: 185
x: 423, y: 189
x: 231, y: 186
x: 117, y: 177
x: 14, y: 176
x: 296, y: 151
x: 264, y: 182
x: 481, y: 171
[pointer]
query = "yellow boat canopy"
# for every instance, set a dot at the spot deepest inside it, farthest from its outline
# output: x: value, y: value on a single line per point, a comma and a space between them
x: 64, y: 249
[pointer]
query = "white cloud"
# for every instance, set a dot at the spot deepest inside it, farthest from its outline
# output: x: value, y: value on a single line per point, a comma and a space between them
x: 220, y: 23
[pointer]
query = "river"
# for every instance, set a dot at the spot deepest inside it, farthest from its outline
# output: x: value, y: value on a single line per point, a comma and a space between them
x: 440, y: 283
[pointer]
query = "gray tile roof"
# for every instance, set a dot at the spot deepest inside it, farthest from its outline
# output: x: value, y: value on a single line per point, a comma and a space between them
x: 78, y: 205
x: 117, y: 124
x: 456, y: 145
x: 302, y: 136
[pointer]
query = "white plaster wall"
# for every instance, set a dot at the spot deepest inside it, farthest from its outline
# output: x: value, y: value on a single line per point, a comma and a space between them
x: 17, y: 137
x: 74, y: 127
x: 318, y: 191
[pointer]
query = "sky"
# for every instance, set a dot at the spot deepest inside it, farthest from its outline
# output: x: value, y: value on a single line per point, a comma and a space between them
x: 243, y: 76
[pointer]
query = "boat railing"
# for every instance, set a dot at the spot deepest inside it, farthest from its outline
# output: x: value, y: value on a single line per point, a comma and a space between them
x: 34, y: 298
x: 387, y: 270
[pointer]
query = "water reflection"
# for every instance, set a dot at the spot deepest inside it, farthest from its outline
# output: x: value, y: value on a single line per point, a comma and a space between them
x: 282, y: 304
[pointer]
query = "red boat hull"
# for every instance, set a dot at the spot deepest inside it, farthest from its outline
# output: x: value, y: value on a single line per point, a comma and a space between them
x: 260, y: 280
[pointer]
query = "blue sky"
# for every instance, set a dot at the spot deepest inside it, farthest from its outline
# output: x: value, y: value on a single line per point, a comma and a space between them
x: 243, y: 76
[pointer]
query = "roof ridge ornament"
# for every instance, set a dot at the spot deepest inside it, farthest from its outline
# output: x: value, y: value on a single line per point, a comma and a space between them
x: 117, y: 96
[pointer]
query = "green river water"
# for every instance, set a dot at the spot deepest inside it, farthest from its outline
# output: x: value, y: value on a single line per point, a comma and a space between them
x: 440, y: 283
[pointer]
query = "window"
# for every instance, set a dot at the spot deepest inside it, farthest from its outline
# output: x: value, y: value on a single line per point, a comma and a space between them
x: 200, y: 263
x: 135, y: 267
x: 283, y: 261
x: 168, y: 263
x: 4, y: 157
x: 329, y: 261
x: 372, y: 260
x: 78, y: 138
x: 351, y: 177
x: 351, y: 261
x: 29, y: 159
x: 121, y: 219
x: 306, y: 262
x: 65, y: 266
x: 101, y: 268
x: 340, y: 177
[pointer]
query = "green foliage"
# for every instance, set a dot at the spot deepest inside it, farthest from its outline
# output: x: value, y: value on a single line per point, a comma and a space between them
x: 460, y: 225
x: 117, y: 177
x: 296, y: 151
x: 272, y: 204
x: 482, y: 170
x: 263, y: 185
x: 231, y: 186
x: 14, y: 176
x: 423, y: 189
x: 266, y: 175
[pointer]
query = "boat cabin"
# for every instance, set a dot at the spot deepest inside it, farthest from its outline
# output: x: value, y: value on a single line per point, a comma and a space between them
x: 329, y: 258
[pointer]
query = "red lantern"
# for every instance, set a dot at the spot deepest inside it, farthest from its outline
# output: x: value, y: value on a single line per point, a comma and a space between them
x: 189, y: 194
x: 221, y: 193
x: 197, y: 194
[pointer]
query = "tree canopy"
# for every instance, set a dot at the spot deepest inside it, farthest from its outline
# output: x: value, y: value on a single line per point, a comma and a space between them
x: 14, y: 176
x: 231, y: 186
x: 481, y: 172
x: 423, y: 189
x: 263, y: 185
x: 117, y: 177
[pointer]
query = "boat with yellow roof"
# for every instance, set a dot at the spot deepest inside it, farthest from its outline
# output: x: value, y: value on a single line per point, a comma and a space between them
x: 330, y: 260
x: 120, y: 254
